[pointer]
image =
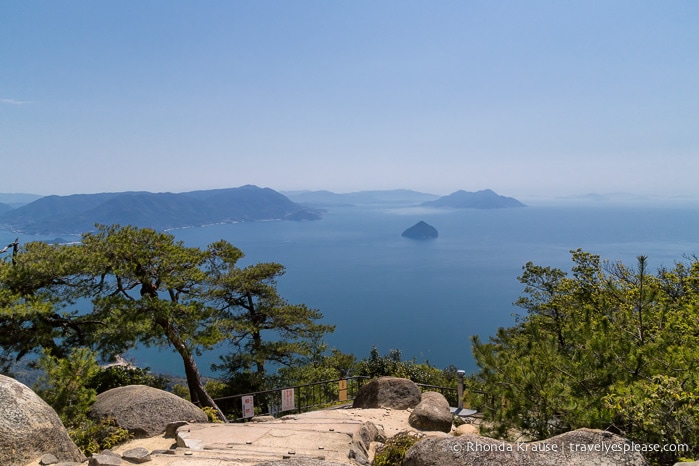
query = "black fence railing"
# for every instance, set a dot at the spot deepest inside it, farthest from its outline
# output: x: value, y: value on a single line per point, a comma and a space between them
x: 287, y: 400
x: 308, y: 397
x: 450, y: 393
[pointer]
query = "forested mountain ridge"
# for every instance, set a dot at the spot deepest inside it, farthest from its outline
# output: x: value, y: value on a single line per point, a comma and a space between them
x: 79, y: 213
x: 484, y: 199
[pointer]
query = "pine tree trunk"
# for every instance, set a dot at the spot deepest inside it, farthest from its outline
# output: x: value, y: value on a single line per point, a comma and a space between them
x: 197, y: 393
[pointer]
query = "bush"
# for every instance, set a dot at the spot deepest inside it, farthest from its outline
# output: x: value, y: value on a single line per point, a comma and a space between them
x: 606, y: 346
x: 394, y: 450
x: 659, y: 411
x: 212, y: 414
x: 121, y: 376
x: 181, y: 390
x: 93, y: 437
x: 64, y: 384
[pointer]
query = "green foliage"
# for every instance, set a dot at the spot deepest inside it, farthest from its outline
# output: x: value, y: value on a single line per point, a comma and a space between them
x: 181, y: 391
x: 659, y: 411
x: 607, y: 346
x: 33, y: 303
x: 320, y: 365
x: 211, y: 414
x: 216, y: 388
x: 64, y: 384
x: 261, y: 326
x: 146, y: 288
x: 120, y: 376
x: 392, y: 365
x: 67, y: 385
x: 95, y: 436
x: 394, y: 450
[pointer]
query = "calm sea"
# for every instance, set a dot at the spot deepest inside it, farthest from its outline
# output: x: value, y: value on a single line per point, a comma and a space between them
x: 427, y: 298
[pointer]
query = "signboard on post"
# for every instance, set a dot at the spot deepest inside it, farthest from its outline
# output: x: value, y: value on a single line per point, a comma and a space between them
x: 288, y: 399
x: 343, y: 390
x: 248, y: 407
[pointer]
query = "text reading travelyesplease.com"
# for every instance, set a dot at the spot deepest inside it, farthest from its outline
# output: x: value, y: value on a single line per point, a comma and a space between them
x: 553, y: 448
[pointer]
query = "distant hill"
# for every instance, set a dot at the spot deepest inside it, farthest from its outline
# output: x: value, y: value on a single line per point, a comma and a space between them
x: 4, y: 208
x: 15, y: 200
x: 78, y: 213
x: 485, y: 199
x: 328, y: 198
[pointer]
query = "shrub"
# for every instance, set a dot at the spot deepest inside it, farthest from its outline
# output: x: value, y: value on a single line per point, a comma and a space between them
x: 95, y: 436
x: 181, y: 390
x: 212, y: 414
x: 120, y: 376
x: 64, y: 383
x: 394, y: 450
x: 659, y: 411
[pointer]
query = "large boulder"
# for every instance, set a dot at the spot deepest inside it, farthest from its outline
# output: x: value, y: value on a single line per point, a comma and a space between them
x: 432, y: 413
x: 30, y: 428
x: 580, y: 447
x: 388, y: 392
x: 362, y: 439
x: 144, y: 411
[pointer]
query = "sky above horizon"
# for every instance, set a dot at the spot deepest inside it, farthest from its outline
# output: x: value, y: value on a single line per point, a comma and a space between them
x: 535, y: 98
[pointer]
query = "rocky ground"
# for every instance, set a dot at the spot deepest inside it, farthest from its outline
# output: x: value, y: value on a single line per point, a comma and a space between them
x: 316, y: 435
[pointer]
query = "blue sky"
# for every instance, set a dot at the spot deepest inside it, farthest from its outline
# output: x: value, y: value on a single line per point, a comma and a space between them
x: 528, y: 98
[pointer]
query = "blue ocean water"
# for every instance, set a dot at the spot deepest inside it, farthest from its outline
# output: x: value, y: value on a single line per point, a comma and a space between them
x: 427, y: 298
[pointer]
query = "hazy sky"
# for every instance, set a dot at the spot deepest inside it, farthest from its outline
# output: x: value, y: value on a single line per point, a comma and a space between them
x: 528, y: 98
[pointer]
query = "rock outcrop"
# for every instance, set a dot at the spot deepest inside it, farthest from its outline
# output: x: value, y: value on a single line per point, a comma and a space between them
x: 580, y: 447
x: 362, y: 439
x: 144, y: 411
x: 137, y: 455
x: 421, y: 230
x: 30, y: 428
x: 388, y: 392
x: 432, y: 413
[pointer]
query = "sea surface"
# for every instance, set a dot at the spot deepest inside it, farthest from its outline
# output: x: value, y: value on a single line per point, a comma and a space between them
x: 426, y: 298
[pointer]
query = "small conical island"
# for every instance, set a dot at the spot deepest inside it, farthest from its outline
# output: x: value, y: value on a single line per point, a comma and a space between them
x: 421, y: 230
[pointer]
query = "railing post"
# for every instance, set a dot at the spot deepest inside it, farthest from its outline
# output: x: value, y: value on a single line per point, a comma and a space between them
x: 460, y: 389
x: 342, y: 391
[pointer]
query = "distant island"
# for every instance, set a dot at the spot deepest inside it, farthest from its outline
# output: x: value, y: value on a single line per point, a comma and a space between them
x: 331, y: 199
x: 78, y: 213
x: 485, y: 199
x: 421, y: 230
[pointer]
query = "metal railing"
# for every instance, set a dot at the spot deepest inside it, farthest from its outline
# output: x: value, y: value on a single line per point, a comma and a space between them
x: 450, y: 393
x: 306, y: 397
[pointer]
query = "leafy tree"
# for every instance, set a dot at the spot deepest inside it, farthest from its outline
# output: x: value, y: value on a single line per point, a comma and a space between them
x: 595, y: 347
x: 143, y: 287
x: 320, y: 364
x: 660, y: 411
x: 263, y: 328
x: 36, y: 298
x: 393, y: 365
x: 120, y: 376
x: 146, y: 287
x: 64, y: 384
